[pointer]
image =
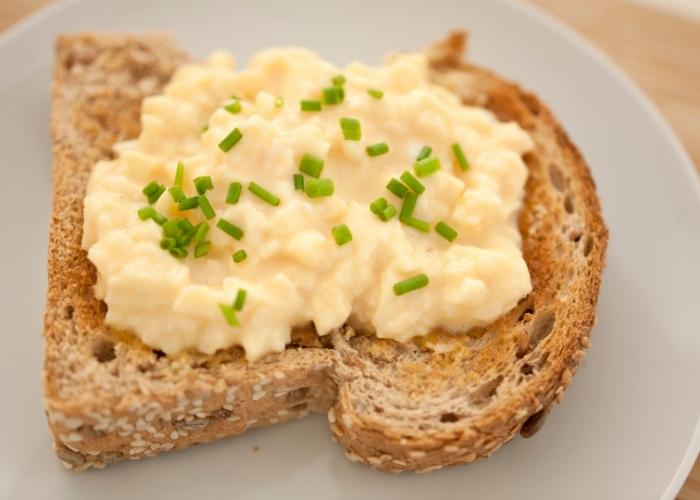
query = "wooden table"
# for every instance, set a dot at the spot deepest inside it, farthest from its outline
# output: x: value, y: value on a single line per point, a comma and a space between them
x: 659, y: 50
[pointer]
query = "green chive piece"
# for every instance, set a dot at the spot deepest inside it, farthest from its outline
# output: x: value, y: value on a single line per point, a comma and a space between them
x: 233, y: 107
x: 178, y: 252
x: 230, y: 140
x: 415, y: 185
x: 184, y: 239
x: 409, y: 205
x: 171, y: 228
x: 239, y: 256
x: 444, y: 230
x: 263, y: 194
x: 201, y: 249
x: 332, y: 95
x: 149, y: 212
x: 279, y: 102
x: 427, y: 166
x: 206, y: 207
x: 167, y: 243
x: 459, y: 154
x: 338, y: 80
x: 185, y: 225
x: 421, y: 225
x: 351, y: 129
x: 341, y: 234
x: 177, y: 194
x: 309, y: 105
x: 387, y: 213
x: 424, y: 153
x: 377, y: 149
x: 151, y: 188
x: 378, y: 205
x: 180, y: 172
x: 376, y: 93
x: 311, y: 165
x: 397, y: 188
x: 298, y: 182
x: 411, y: 284
x: 231, y: 229
x: 230, y: 315
x: 201, y: 233
x: 240, y: 300
x: 153, y: 191
x: 341, y: 93
x: 203, y: 184
x: 188, y: 204
x: 205, y: 127
x: 317, y: 188
x: 234, y: 193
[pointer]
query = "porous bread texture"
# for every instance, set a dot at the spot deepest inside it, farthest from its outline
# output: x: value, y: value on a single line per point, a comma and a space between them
x: 435, y: 401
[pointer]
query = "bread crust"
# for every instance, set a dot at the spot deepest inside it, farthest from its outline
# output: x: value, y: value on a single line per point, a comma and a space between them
x: 436, y: 401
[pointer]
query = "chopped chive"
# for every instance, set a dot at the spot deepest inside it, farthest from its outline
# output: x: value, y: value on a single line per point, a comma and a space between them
x: 184, y: 239
x: 411, y: 284
x: 427, y: 166
x: 409, y: 205
x: 153, y: 191
x: 338, y: 80
x: 341, y: 234
x: 167, y: 243
x: 424, y: 153
x: 376, y: 93
x: 231, y: 229
x: 279, y: 102
x: 351, y: 129
x: 445, y: 231
x: 180, y: 172
x: 415, y: 185
x: 230, y: 140
x: 239, y: 256
x: 188, y: 204
x: 263, y: 194
x: 151, y: 188
x: 177, y: 194
x: 316, y: 188
x: 240, y: 300
x: 171, y: 228
x: 206, y: 207
x: 298, y: 182
x: 459, y: 154
x: 201, y: 249
x: 230, y: 315
x: 311, y: 165
x: 378, y: 205
x: 233, y: 107
x: 149, y: 212
x: 332, y: 95
x: 377, y: 149
x: 201, y: 233
x: 235, y: 96
x: 234, y: 193
x: 397, y: 188
x: 421, y: 225
x: 388, y: 212
x: 185, y: 225
x: 178, y: 252
x: 341, y: 93
x: 309, y: 105
x: 203, y: 184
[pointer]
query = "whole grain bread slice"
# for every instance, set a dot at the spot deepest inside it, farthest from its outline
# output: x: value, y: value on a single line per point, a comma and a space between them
x: 435, y: 401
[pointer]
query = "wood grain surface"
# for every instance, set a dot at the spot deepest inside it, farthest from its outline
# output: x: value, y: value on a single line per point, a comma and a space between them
x: 661, y: 51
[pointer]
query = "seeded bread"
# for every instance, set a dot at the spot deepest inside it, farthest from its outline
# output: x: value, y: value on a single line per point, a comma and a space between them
x: 436, y: 401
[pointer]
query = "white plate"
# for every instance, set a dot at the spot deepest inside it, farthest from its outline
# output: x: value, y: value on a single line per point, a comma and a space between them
x: 629, y: 425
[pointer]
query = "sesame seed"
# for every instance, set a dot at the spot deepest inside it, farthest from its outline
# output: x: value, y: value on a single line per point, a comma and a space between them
x: 347, y: 421
x: 416, y: 454
x: 278, y: 375
x: 331, y: 415
x: 352, y: 456
x: 374, y: 460
x: 174, y: 435
x: 228, y: 407
x: 258, y: 395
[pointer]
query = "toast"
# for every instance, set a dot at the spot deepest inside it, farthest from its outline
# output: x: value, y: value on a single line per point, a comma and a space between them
x: 435, y: 401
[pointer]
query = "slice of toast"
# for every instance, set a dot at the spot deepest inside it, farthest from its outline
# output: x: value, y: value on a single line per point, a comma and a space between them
x: 435, y: 401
